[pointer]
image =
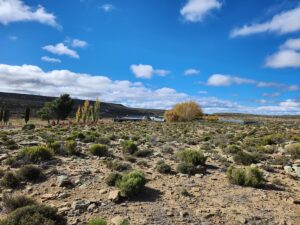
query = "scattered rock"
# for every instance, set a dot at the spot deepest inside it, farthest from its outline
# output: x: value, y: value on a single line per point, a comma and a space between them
x: 80, y: 204
x: 117, y: 220
x: 114, y: 196
x: 64, y: 181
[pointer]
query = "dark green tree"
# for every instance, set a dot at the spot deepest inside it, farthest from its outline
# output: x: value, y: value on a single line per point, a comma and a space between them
x: 6, y: 115
x: 27, y: 114
x: 1, y: 113
x: 62, y: 107
x: 47, y: 112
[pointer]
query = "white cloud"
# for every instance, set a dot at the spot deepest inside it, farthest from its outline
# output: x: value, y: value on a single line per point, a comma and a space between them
x: 17, y: 11
x: 283, y: 59
x: 271, y: 95
x: 13, y: 38
x: 202, y: 92
x: 226, y: 80
x: 29, y: 79
x: 191, y: 72
x: 61, y: 49
x: 220, y: 80
x: 147, y: 71
x: 107, y: 7
x: 287, y: 56
x: 196, y: 10
x: 285, y: 22
x: 51, y: 60
x: 76, y: 43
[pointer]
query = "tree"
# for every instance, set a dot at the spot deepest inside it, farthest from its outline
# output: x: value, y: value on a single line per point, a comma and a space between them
x: 1, y: 113
x: 6, y: 115
x: 78, y: 114
x: 27, y: 115
x: 183, y: 112
x: 62, y: 107
x: 96, y: 110
x: 47, y: 112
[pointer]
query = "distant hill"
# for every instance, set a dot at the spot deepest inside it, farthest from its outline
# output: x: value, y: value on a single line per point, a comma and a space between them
x: 18, y: 102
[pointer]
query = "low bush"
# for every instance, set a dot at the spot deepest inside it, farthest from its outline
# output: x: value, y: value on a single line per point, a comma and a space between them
x: 98, y: 150
x: 162, y: 167
x: 192, y: 156
x: 35, y: 154
x: 34, y: 215
x: 132, y: 183
x: 112, y: 179
x: 232, y: 149
x: 28, y: 127
x: 246, y: 159
x: 10, y: 180
x: 186, y: 168
x: 129, y: 147
x: 97, y: 221
x: 70, y: 147
x: 30, y: 173
x: 117, y: 165
x: 11, y: 203
x: 104, y: 140
x: 143, y: 153
x: 294, y: 150
x: 249, y: 176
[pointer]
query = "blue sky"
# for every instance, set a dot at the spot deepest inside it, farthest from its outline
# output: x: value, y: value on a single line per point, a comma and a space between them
x: 228, y: 55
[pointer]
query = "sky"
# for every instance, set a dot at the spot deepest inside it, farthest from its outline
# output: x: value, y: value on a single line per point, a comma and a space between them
x: 227, y: 55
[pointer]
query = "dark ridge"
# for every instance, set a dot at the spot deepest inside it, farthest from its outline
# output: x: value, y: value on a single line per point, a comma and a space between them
x: 18, y: 102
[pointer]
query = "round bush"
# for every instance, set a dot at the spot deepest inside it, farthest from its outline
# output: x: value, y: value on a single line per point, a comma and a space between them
x: 249, y: 176
x: 112, y: 179
x: 186, y: 168
x: 10, y: 180
x: 132, y: 183
x: 162, y: 167
x: 129, y: 147
x: 30, y: 173
x: 192, y: 156
x: 98, y: 150
x: 35, y: 154
x: 11, y: 203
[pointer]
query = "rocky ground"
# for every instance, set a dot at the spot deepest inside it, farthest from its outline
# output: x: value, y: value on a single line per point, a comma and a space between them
x: 75, y: 184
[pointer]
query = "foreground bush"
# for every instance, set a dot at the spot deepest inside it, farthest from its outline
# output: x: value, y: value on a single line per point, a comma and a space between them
x: 294, y: 150
x: 30, y: 173
x: 162, y: 167
x: 98, y: 150
x: 11, y: 203
x: 36, y: 154
x: 192, y: 156
x: 183, y: 112
x: 129, y: 147
x: 132, y: 183
x: 249, y: 176
x: 34, y: 215
x: 10, y: 180
x: 97, y: 222
x: 186, y: 168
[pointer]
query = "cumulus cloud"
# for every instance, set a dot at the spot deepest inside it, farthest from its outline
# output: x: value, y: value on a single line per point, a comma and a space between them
x: 197, y: 10
x: 285, y: 22
x: 76, y: 43
x: 287, y: 56
x: 218, y: 80
x: 51, y: 60
x: 17, y: 11
x: 271, y: 95
x: 191, y: 72
x: 147, y: 71
x: 107, y: 7
x: 61, y: 49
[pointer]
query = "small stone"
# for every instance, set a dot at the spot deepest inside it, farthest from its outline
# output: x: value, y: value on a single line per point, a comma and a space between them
x: 63, y: 181
x: 117, y: 220
x: 91, y: 207
x: 103, y: 191
x: 114, y: 195
x: 80, y: 204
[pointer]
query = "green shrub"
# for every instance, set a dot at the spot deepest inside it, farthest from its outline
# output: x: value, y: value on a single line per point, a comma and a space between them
x: 28, y: 127
x: 35, y: 154
x: 162, y: 167
x: 186, y: 168
x: 249, y: 176
x: 132, y: 183
x: 294, y: 150
x: 97, y: 222
x: 11, y: 203
x: 55, y: 147
x: 129, y: 147
x: 130, y: 158
x: 192, y: 156
x: 98, y: 150
x: 70, y: 147
x: 10, y: 180
x: 118, y: 166
x: 34, y: 215
x: 232, y: 149
x: 112, y: 179
x: 245, y: 158
x: 30, y: 173
x: 104, y: 140
x: 142, y: 153
x: 125, y: 222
